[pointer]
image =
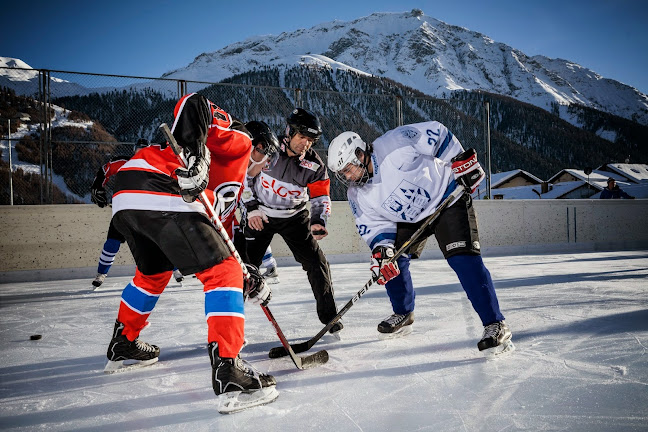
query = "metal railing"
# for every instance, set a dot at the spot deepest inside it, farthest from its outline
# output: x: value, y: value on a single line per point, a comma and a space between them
x: 68, y: 124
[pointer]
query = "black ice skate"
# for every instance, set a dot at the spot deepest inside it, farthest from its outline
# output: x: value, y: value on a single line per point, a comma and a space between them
x: 135, y: 353
x: 178, y: 276
x: 396, y: 325
x: 336, y: 329
x: 101, y: 277
x: 496, y: 339
x: 237, y: 385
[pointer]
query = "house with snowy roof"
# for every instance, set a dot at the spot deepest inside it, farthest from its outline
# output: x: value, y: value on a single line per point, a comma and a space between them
x: 569, y: 183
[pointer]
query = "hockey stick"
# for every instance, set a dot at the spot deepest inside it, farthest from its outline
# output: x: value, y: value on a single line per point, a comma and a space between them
x: 305, y: 346
x: 312, y: 360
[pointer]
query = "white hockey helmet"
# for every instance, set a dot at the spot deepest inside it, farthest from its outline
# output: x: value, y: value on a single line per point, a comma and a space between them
x: 342, y: 151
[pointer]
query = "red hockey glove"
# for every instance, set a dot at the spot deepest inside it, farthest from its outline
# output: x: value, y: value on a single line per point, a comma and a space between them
x: 383, y: 270
x: 467, y: 170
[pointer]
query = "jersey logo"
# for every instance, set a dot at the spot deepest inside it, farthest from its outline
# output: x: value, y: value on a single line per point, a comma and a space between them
x: 226, y: 198
x: 313, y: 166
x: 455, y: 245
x: 407, y: 201
x: 279, y: 189
x: 410, y: 133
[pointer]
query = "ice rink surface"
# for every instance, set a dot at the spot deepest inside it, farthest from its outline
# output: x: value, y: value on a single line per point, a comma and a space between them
x: 579, y: 322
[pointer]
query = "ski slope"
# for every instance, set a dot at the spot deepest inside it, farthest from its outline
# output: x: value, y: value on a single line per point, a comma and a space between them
x: 579, y: 322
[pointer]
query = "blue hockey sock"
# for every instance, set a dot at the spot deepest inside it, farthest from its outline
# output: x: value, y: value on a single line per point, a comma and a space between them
x: 400, y: 289
x: 478, y: 285
x: 110, y: 249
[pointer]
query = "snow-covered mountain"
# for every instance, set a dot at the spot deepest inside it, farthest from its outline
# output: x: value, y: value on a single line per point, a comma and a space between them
x: 23, y: 79
x: 428, y: 55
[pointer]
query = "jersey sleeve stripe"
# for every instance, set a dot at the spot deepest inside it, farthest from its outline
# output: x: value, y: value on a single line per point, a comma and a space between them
x: 444, y: 145
x: 320, y: 188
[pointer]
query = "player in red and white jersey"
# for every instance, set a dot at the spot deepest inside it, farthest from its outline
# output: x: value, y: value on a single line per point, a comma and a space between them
x: 155, y: 208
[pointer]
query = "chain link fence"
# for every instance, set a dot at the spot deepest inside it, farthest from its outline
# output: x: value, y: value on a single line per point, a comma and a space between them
x: 61, y: 127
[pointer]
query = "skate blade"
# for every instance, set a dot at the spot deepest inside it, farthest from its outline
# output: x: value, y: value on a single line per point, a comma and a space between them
x: 336, y: 336
x: 232, y: 402
x: 403, y: 331
x: 273, y: 280
x: 119, y: 366
x: 499, y: 351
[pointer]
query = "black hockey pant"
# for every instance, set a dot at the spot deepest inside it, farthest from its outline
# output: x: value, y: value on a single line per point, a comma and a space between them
x: 295, y: 231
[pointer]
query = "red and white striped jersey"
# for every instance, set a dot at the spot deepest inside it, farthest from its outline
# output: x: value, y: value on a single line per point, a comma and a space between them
x: 148, y: 180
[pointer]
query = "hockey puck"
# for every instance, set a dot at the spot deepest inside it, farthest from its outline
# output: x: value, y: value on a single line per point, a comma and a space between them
x: 35, y: 337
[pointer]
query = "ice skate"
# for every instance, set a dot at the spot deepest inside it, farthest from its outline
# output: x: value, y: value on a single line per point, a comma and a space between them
x: 237, y: 385
x: 336, y: 329
x: 271, y: 275
x: 396, y: 325
x: 124, y: 355
x: 496, y: 340
x: 99, y: 279
x: 178, y: 276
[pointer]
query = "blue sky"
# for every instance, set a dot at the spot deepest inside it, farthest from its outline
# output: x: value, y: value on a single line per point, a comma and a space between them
x: 147, y: 38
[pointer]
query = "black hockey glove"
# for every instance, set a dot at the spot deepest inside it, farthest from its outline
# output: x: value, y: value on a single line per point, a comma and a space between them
x: 255, y: 287
x: 98, y: 196
x: 193, y: 180
x: 467, y: 170
x: 383, y: 270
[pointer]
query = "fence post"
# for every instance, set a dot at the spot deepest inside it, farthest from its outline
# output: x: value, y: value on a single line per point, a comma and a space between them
x: 10, y: 165
x: 182, y: 88
x: 47, y: 168
x: 398, y: 111
x: 488, y: 149
x: 298, y: 98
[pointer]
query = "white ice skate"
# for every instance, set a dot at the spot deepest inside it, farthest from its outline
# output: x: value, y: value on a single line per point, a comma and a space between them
x: 271, y: 276
x: 232, y: 402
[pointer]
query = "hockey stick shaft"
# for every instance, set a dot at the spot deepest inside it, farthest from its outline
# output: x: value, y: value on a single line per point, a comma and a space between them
x: 209, y: 209
x: 305, y: 346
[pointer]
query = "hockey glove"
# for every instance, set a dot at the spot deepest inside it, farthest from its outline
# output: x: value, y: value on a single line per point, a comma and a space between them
x: 383, y: 270
x: 193, y: 180
x: 255, y: 287
x: 467, y: 170
x: 98, y: 196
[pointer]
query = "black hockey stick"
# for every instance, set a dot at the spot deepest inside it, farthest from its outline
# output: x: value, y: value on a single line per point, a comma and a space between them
x: 305, y: 346
x: 312, y: 360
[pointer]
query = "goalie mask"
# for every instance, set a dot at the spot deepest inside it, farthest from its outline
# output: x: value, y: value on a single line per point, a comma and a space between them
x: 346, y: 158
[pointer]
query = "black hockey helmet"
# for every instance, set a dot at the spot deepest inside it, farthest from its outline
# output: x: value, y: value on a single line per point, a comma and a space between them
x: 304, y: 122
x: 141, y: 143
x: 262, y: 134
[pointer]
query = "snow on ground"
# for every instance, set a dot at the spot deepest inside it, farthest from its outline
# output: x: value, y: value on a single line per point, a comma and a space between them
x: 579, y: 322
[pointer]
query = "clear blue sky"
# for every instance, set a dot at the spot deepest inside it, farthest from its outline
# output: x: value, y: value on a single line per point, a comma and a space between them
x: 148, y: 38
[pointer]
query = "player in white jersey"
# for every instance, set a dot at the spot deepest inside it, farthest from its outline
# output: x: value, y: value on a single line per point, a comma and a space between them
x: 394, y: 184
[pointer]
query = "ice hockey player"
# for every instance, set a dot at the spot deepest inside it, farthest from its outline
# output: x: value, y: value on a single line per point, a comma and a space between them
x: 98, y: 196
x: 278, y: 206
x: 155, y: 208
x: 265, y: 146
x: 394, y: 185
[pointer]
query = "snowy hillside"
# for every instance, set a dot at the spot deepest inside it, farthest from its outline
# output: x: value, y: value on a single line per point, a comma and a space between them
x: 24, y: 80
x: 426, y: 54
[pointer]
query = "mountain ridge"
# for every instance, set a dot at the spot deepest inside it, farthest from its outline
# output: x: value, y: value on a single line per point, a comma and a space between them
x: 428, y: 55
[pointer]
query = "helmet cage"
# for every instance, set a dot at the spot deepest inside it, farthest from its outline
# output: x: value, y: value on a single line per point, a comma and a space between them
x: 364, y: 177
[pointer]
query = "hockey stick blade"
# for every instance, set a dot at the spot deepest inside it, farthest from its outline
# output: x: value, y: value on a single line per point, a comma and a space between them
x: 281, y: 351
x: 313, y: 360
